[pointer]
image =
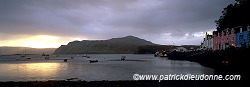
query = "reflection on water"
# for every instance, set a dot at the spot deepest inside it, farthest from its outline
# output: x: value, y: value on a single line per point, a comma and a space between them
x: 109, y: 67
x: 30, y: 71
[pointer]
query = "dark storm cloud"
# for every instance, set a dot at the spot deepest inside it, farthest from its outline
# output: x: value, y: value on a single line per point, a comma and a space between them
x: 177, y: 16
x: 109, y: 18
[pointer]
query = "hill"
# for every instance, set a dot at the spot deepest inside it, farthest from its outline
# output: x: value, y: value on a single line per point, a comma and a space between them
x: 128, y: 44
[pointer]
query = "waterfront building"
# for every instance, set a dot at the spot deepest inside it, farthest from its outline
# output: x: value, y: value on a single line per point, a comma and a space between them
x: 224, y: 39
x: 207, y: 43
x: 180, y: 49
x: 228, y: 38
x: 243, y: 37
x: 216, y: 41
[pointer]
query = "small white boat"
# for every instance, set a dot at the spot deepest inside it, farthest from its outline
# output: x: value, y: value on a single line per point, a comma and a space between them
x: 28, y: 57
x: 163, y: 55
x: 84, y: 55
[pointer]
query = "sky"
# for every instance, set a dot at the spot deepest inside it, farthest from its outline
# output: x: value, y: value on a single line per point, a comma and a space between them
x: 51, y: 23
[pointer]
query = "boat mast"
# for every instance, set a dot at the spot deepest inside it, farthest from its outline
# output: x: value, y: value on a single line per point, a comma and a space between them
x: 17, y: 50
x: 25, y: 51
x: 0, y: 51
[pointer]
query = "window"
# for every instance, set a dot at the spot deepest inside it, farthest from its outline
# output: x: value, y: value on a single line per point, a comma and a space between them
x: 232, y: 39
x: 232, y: 31
x: 241, y: 37
x: 227, y: 39
x: 222, y: 40
x: 248, y: 36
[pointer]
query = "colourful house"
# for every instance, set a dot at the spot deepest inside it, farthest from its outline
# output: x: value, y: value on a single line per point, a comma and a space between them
x: 228, y: 38
x: 243, y: 37
x: 216, y: 41
x: 224, y: 39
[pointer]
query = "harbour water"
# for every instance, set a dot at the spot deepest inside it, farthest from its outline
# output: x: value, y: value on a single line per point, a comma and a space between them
x: 108, y: 67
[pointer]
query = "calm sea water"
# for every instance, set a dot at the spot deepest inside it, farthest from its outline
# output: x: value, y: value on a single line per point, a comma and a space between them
x: 109, y: 67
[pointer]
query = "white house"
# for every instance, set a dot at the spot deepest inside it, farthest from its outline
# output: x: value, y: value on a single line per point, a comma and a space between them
x: 207, y: 43
x: 180, y: 49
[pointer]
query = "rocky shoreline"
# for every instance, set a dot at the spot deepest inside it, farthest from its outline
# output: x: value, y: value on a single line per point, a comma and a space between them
x: 228, y: 61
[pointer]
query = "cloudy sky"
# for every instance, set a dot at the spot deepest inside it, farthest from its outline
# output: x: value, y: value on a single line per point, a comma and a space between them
x: 51, y: 23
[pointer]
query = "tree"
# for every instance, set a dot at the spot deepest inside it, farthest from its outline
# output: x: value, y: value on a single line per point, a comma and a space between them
x: 234, y: 15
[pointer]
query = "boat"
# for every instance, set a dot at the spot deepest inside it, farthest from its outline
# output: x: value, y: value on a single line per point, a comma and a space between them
x: 22, y: 56
x: 123, y: 58
x: 0, y: 51
x: 156, y: 54
x: 17, y: 58
x: 43, y: 54
x: 93, y: 61
x: 69, y: 79
x: 65, y: 60
x: 28, y: 57
x: 46, y: 57
x: 84, y: 56
x: 161, y: 54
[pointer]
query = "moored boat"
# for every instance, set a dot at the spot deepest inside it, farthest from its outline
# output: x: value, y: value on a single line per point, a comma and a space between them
x: 28, y: 57
x: 123, y: 58
x: 92, y: 61
x: 43, y: 54
x: 46, y: 57
x: 161, y: 54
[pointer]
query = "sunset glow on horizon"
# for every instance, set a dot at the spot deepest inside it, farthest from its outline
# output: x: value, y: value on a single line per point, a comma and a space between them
x: 39, y: 41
